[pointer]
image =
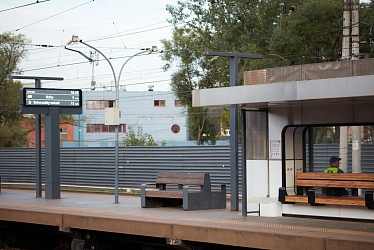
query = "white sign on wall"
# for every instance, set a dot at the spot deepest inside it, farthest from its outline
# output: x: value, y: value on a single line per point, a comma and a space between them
x: 275, y: 149
x: 355, y: 145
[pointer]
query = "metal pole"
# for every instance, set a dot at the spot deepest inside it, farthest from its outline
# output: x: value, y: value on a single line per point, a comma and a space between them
x: 116, y: 126
x: 234, y: 139
x: 244, y: 165
x: 356, y: 130
x: 346, y: 29
x: 38, y: 148
x: 79, y: 131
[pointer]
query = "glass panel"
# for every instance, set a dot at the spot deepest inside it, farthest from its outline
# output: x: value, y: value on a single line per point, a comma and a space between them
x: 256, y: 133
x: 178, y: 103
x: 96, y: 104
x: 89, y: 104
x: 159, y: 103
x: 97, y: 128
x: 298, y: 143
x: 89, y: 128
x: 288, y: 142
x: 105, y: 128
x: 120, y: 128
x: 105, y: 104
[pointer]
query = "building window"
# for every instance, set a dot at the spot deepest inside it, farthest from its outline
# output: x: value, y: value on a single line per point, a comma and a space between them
x: 175, y: 128
x: 107, y: 104
x: 178, y: 103
x: 105, y: 128
x: 89, y: 104
x: 99, y: 104
x: 159, y: 103
x: 102, y: 128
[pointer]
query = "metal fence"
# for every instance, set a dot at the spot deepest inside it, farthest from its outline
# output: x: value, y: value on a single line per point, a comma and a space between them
x: 137, y: 165
x: 323, y: 152
x: 313, y: 71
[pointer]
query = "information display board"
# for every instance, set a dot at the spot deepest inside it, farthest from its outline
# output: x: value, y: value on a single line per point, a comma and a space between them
x: 52, y: 97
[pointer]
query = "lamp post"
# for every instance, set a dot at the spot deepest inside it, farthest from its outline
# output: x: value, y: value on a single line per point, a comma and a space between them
x: 75, y: 39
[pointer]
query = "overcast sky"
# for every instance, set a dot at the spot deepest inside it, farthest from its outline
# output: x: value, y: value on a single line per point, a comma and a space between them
x: 117, y: 28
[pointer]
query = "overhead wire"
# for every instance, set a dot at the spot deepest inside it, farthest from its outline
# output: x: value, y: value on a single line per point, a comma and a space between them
x: 115, y: 26
x: 25, y: 5
x: 52, y: 16
x: 128, y: 34
x: 84, y: 17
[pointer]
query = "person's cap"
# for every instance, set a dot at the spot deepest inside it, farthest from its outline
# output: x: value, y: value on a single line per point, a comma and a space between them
x: 334, y: 159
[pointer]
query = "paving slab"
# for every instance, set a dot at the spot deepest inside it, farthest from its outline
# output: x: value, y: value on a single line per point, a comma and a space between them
x: 219, y: 226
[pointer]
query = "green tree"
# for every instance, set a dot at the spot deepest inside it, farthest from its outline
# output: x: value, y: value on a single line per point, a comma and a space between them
x: 366, y: 29
x: 12, y: 50
x: 138, y: 139
x: 226, y: 26
x: 310, y: 34
x: 286, y: 32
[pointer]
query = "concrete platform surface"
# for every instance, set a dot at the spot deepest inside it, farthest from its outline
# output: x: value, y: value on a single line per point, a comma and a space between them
x: 221, y: 226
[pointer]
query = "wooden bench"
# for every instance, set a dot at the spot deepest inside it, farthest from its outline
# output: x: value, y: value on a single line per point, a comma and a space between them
x: 191, y: 190
x: 307, y: 184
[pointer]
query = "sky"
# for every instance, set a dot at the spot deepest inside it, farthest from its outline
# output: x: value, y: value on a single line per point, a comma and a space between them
x: 117, y: 28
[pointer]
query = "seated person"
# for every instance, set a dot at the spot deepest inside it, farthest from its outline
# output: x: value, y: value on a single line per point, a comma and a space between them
x: 334, y: 168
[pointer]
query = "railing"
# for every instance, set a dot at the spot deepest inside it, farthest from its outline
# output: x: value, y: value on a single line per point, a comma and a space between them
x: 310, y: 72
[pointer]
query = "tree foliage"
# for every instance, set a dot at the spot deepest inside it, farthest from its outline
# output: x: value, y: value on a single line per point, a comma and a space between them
x: 138, y: 139
x: 312, y: 33
x: 285, y: 32
x: 12, y: 50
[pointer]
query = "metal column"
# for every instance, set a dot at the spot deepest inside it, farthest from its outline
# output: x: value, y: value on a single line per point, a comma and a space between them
x: 234, y: 57
x: 52, y: 154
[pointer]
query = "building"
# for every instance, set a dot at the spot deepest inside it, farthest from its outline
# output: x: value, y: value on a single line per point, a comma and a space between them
x: 158, y: 113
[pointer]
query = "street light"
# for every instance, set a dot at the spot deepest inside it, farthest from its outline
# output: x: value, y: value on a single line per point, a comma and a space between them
x: 75, y: 39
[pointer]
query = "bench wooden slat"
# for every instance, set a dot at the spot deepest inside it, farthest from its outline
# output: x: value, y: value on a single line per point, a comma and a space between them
x: 180, y: 178
x: 334, y: 183
x: 346, y: 200
x: 338, y: 176
x: 180, y: 175
x: 165, y: 194
x: 296, y: 198
x: 173, y: 194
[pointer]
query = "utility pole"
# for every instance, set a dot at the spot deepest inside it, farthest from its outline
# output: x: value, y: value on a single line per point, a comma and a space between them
x: 346, y: 29
x: 343, y: 145
x: 356, y: 130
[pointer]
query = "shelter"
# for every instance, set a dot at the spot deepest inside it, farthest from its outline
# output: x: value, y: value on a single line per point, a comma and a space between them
x: 278, y: 117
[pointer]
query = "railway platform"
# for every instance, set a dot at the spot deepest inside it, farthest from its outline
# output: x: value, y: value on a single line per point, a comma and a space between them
x: 93, y: 211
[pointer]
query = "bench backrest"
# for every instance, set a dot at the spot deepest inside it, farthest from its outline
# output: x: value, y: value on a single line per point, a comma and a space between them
x: 183, y: 178
x: 340, y: 180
